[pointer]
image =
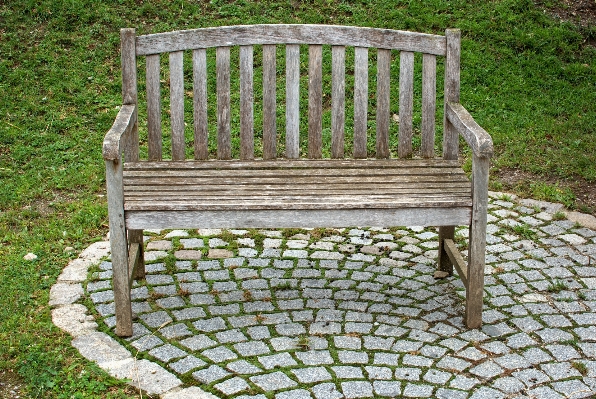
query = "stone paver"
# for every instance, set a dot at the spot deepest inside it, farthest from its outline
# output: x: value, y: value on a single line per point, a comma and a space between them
x: 355, y: 314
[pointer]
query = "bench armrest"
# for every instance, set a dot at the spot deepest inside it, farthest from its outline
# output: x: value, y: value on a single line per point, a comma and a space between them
x: 112, y: 142
x: 475, y: 136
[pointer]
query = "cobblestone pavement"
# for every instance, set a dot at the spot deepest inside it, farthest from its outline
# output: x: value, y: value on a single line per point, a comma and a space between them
x: 357, y: 313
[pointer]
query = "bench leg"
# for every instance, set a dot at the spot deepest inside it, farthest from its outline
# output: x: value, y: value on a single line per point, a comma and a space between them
x: 136, y: 236
x: 119, y: 248
x: 477, y: 247
x: 444, y: 264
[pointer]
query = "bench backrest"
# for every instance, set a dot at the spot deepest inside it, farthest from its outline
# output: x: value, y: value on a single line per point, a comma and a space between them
x: 266, y: 39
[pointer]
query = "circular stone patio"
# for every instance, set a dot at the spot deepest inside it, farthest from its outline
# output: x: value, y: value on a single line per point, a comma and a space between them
x: 352, y: 313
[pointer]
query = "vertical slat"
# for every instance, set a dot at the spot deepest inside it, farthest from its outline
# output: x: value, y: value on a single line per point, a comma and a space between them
x: 315, y: 100
x: 429, y: 93
x: 406, y: 99
x: 153, y: 107
x: 177, y: 105
x: 224, y: 149
x: 246, y: 103
x: 477, y: 246
x: 338, y: 100
x: 452, y: 59
x: 129, y: 88
x: 199, y: 72
x: 292, y: 101
x: 360, y: 101
x: 383, y: 66
x: 269, y: 102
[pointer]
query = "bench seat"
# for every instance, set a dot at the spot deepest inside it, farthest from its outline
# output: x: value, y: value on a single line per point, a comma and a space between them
x: 369, y: 191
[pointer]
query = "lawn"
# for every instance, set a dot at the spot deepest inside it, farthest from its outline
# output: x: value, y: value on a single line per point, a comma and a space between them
x: 529, y: 79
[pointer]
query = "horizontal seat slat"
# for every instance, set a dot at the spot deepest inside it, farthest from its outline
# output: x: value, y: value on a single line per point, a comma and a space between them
x: 295, y: 164
x: 346, y: 172
x: 319, y: 189
x: 296, y: 184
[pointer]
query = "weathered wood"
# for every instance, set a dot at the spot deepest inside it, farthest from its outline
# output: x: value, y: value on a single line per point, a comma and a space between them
x: 383, y: 67
x: 315, y: 101
x: 134, y: 262
x: 136, y: 239
x: 294, y: 192
x: 292, y: 101
x: 129, y: 89
x: 338, y: 100
x: 119, y: 248
x: 369, y: 164
x: 247, y: 146
x: 269, y: 102
x: 457, y: 260
x: 199, y: 68
x: 360, y: 101
x: 177, y: 105
x: 297, y: 219
x: 113, y: 143
x: 154, y: 135
x: 429, y: 107
x: 451, y: 91
x: 224, y: 149
x: 406, y: 103
x: 476, y: 137
x: 290, y: 34
x: 477, y: 246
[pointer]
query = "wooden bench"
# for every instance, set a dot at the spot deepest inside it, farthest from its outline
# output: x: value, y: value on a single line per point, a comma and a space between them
x: 281, y: 178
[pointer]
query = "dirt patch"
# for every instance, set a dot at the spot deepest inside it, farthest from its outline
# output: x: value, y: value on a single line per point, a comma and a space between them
x: 10, y: 385
x: 579, y: 12
x: 518, y: 182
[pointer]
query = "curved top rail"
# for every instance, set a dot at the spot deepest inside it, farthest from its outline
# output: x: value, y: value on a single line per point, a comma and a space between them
x: 290, y: 34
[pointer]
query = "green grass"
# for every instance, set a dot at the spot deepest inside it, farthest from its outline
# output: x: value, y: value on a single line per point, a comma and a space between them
x: 529, y: 80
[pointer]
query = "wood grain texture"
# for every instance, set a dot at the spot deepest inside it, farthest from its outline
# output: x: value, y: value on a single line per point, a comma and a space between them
x: 269, y: 102
x: 136, y: 239
x: 476, y: 137
x: 129, y: 88
x: 477, y: 246
x: 457, y: 260
x: 247, y: 146
x: 338, y: 100
x: 292, y: 101
x: 154, y: 135
x: 199, y: 79
x: 238, y: 165
x: 290, y: 34
x: 113, y: 142
x: 177, y: 105
x: 451, y: 91
x: 119, y: 248
x: 383, y: 83
x: 297, y: 218
x: 315, y: 101
x: 224, y: 148
x: 429, y: 104
x: 360, y: 101
x: 406, y: 103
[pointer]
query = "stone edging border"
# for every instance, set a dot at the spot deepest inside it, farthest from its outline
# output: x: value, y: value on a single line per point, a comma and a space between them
x: 145, y: 375
x: 98, y: 346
